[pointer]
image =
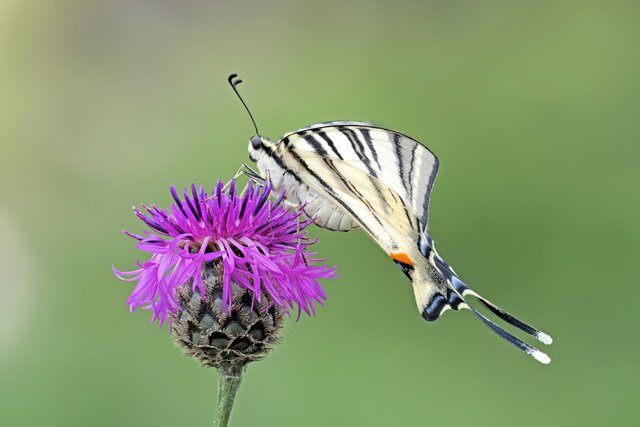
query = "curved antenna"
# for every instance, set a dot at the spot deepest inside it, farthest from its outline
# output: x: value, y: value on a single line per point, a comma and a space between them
x: 235, y: 82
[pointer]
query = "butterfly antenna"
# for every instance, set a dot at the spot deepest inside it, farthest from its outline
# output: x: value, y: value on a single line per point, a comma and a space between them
x: 234, y: 82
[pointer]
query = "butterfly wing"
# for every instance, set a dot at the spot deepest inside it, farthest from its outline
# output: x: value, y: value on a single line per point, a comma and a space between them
x: 373, y: 205
x: 383, y: 180
x: 373, y: 189
x: 401, y: 163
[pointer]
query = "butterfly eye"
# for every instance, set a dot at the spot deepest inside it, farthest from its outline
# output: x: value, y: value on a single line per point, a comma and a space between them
x: 256, y: 142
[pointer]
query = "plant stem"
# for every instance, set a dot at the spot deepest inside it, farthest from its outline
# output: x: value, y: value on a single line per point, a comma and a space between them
x: 229, y: 378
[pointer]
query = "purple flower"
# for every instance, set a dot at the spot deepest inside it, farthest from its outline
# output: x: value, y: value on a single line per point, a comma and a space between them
x: 261, y: 245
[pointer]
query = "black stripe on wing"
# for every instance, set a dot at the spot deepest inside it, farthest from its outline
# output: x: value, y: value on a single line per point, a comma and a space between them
x: 322, y: 134
x: 330, y: 190
x: 413, y: 163
x: 320, y: 150
x: 278, y: 159
x: 406, y: 182
x: 427, y: 196
x: 407, y: 151
x: 358, y: 148
x: 366, y: 135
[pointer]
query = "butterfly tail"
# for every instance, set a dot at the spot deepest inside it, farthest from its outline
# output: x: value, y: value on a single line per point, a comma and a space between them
x: 458, y: 295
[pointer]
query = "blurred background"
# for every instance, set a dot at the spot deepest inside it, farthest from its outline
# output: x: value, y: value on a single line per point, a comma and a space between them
x: 532, y: 108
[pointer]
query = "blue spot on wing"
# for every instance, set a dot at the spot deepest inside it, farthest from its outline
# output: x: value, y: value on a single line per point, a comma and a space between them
x: 434, y: 308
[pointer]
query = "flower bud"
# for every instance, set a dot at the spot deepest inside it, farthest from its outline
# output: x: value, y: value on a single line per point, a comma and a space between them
x: 234, y: 336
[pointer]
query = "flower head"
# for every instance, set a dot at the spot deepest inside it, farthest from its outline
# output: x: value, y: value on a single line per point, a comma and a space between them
x: 261, y: 245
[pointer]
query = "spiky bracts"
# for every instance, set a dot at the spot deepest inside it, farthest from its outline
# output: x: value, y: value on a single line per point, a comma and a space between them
x: 225, y: 338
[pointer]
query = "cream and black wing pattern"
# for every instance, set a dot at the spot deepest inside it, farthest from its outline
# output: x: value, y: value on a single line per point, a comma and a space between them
x: 388, y: 160
x: 352, y: 174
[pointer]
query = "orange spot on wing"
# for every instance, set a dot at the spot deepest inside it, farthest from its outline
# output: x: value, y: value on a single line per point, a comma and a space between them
x: 402, y: 258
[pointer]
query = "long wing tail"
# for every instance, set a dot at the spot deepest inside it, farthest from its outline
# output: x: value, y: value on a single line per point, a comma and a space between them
x: 463, y: 291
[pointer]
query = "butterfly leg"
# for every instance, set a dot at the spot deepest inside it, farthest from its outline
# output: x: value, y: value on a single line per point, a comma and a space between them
x: 253, y: 176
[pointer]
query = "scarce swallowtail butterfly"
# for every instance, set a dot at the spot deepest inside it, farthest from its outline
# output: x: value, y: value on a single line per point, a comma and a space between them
x: 347, y: 175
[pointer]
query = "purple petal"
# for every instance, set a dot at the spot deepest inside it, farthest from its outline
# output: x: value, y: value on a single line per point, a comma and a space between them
x: 262, y: 245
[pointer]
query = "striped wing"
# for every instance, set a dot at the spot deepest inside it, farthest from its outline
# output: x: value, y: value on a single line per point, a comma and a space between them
x: 383, y: 179
x: 376, y: 207
x: 396, y: 163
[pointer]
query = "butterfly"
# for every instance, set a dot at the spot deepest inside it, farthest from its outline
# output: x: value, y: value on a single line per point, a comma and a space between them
x: 347, y: 175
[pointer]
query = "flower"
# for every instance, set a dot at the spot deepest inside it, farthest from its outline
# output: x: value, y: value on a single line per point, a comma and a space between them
x: 260, y: 244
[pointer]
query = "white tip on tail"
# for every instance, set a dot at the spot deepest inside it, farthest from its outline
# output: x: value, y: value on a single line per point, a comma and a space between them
x: 540, y: 356
x: 544, y: 338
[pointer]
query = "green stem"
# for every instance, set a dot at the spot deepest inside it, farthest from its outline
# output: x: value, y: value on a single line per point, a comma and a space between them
x: 229, y: 378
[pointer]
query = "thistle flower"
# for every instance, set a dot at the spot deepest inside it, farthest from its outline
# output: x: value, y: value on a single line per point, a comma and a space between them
x: 261, y: 244
x: 225, y: 269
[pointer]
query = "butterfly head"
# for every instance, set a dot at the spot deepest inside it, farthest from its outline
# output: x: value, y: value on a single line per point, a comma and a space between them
x: 257, y: 146
x: 256, y: 142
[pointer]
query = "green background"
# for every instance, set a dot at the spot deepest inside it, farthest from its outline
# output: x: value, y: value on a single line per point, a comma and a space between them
x: 532, y: 107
